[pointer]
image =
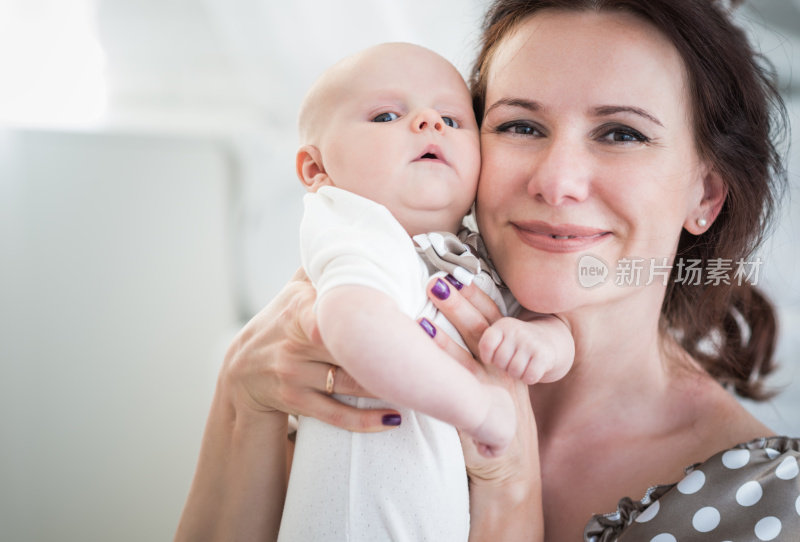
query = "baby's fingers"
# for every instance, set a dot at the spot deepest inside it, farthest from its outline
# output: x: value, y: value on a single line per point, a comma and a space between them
x: 523, y: 366
x: 488, y: 344
x: 495, y: 349
x: 533, y: 373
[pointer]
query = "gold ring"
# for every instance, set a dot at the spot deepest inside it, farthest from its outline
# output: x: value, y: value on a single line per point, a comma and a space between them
x: 329, y: 379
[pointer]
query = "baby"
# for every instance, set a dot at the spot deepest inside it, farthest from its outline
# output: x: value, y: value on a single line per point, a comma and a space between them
x: 391, y: 152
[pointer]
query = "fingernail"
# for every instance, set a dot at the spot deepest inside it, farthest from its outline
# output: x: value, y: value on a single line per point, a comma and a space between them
x: 441, y: 289
x: 452, y: 280
x: 391, y: 419
x: 428, y: 327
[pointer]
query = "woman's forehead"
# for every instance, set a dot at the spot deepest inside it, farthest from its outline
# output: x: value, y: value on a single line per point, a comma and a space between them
x: 597, y: 56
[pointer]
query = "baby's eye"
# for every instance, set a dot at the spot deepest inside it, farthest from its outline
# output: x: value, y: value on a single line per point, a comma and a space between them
x: 385, y: 117
x: 451, y: 122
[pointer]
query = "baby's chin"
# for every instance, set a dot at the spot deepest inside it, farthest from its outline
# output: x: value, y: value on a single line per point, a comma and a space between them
x: 424, y: 217
x: 425, y: 221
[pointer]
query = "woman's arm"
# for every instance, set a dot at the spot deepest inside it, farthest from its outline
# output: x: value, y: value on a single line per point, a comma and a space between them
x: 505, y: 492
x: 240, y: 481
x: 276, y: 364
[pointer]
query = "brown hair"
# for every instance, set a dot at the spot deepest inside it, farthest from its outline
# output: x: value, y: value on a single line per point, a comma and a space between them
x: 738, y: 120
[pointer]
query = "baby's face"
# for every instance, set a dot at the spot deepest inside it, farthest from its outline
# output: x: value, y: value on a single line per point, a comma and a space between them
x: 403, y: 134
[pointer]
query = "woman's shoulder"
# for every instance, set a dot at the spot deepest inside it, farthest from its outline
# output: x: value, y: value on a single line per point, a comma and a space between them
x: 750, y: 490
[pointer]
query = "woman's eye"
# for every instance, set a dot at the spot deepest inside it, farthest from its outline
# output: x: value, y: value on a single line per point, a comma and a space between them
x: 621, y: 134
x: 385, y: 117
x: 451, y: 122
x: 519, y: 128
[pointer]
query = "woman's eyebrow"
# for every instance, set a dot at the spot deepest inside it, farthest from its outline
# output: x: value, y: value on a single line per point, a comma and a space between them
x: 530, y: 105
x: 606, y: 110
x: 603, y: 110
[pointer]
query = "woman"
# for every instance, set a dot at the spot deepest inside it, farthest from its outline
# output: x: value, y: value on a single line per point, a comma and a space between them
x: 613, y: 132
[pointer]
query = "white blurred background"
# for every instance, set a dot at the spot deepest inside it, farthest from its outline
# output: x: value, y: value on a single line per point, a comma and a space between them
x: 148, y: 208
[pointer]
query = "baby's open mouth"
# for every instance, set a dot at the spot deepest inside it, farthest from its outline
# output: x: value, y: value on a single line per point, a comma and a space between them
x: 432, y: 152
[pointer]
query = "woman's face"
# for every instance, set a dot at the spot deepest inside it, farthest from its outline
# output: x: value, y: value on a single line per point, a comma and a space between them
x: 587, y: 150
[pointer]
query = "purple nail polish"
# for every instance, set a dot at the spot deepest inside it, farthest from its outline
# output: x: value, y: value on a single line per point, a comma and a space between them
x: 452, y: 280
x: 428, y: 327
x: 441, y: 289
x: 391, y: 419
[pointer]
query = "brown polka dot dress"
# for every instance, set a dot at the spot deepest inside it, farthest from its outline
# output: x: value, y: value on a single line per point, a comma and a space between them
x: 748, y: 493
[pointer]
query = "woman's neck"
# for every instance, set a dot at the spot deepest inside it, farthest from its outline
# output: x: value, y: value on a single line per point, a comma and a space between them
x: 622, y: 361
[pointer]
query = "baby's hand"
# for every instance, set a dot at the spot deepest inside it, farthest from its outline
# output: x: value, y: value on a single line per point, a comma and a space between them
x: 495, y: 433
x: 540, y: 350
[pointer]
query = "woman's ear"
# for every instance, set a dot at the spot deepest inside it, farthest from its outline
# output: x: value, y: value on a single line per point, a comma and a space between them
x: 310, y: 169
x: 714, y: 193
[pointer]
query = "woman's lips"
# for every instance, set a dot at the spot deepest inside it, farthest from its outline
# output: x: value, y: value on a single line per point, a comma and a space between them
x: 560, y: 237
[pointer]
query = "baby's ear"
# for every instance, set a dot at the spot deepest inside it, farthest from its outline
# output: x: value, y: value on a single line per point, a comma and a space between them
x: 309, y: 168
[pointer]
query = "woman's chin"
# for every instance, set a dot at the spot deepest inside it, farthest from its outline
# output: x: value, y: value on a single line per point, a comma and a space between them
x: 550, y: 296
x: 545, y: 302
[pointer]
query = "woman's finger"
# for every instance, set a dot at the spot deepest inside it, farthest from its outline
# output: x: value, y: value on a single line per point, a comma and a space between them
x: 459, y: 307
x: 302, y: 334
x: 329, y: 410
x: 479, y: 299
x: 315, y: 376
x: 279, y: 362
x: 455, y: 350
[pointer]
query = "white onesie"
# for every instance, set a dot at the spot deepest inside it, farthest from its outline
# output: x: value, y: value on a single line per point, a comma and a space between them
x: 405, y: 484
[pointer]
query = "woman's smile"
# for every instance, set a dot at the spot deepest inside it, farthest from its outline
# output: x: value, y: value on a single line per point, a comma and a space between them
x: 559, y: 237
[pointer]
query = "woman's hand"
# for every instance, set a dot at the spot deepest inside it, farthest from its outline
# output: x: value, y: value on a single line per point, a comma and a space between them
x: 472, y: 312
x: 277, y: 362
x: 505, y: 491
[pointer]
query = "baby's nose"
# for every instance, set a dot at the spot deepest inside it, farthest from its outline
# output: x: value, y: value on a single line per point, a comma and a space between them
x: 428, y: 118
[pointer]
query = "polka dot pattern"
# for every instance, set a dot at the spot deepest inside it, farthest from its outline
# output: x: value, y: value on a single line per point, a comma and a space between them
x: 788, y: 469
x: 706, y: 519
x: 736, y: 459
x: 652, y: 511
x: 750, y: 492
x: 768, y: 528
x: 772, y: 453
x: 692, y: 483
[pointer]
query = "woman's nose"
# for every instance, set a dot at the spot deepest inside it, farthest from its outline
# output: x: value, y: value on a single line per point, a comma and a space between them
x: 561, y: 173
x: 427, y: 119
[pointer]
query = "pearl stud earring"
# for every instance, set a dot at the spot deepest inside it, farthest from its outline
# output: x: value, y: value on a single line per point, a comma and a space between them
x: 702, y: 222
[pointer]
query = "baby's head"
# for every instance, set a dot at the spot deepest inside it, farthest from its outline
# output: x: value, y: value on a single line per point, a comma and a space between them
x: 394, y: 124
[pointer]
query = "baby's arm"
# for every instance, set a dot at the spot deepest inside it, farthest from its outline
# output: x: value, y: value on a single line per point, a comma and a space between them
x: 532, y: 347
x: 390, y: 355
